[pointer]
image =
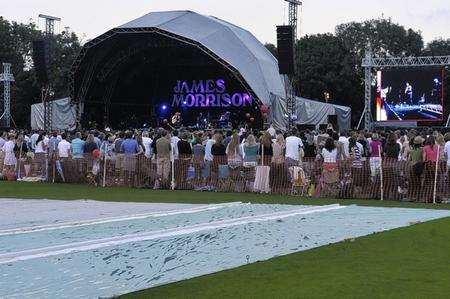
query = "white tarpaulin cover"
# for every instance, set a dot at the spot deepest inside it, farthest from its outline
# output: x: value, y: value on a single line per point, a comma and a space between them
x: 316, y: 113
x: 64, y: 115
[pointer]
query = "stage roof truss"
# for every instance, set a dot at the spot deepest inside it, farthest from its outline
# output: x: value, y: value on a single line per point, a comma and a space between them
x: 79, y: 98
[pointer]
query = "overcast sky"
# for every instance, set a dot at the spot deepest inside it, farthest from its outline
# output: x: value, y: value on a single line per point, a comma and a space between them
x: 89, y: 18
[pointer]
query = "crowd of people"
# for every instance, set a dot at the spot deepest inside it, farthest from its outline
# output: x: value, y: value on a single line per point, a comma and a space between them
x: 414, y: 164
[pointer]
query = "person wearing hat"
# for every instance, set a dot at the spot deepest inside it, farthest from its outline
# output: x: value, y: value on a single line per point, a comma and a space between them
x: 417, y: 168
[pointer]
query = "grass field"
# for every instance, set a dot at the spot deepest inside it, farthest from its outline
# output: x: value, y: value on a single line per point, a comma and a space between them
x: 412, y: 262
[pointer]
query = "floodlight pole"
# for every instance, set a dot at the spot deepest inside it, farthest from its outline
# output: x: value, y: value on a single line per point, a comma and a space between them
x: 6, y: 77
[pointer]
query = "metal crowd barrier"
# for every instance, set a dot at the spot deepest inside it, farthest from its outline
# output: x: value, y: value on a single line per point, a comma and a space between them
x: 389, y: 179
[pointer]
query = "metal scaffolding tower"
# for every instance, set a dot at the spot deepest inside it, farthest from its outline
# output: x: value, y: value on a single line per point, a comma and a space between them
x: 6, y: 77
x: 46, y: 90
x: 291, y: 104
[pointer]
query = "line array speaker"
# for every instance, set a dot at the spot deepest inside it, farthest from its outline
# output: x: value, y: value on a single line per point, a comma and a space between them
x: 285, y: 45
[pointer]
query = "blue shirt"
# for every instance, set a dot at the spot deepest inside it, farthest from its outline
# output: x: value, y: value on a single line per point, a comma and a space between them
x: 129, y: 147
x: 77, y: 148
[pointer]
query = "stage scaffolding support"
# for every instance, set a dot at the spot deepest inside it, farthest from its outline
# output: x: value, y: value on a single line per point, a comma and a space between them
x: 46, y: 90
x: 369, y: 63
x: 6, y: 77
x: 291, y: 104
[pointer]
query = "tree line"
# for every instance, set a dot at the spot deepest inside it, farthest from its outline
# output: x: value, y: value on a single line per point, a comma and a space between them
x: 327, y: 63
x: 16, y: 47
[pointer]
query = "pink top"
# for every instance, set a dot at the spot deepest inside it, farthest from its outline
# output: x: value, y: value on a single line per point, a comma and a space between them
x: 375, y: 147
x: 431, y: 154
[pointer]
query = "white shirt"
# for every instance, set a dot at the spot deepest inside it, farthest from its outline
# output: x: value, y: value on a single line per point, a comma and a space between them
x: 329, y: 157
x: 40, y: 148
x: 2, y: 142
x: 33, y: 140
x: 147, y: 142
x: 208, y: 147
x: 63, y: 149
x: 447, y: 152
x: 293, y: 145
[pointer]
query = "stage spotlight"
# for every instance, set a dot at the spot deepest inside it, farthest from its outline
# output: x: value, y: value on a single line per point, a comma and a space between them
x: 164, y: 107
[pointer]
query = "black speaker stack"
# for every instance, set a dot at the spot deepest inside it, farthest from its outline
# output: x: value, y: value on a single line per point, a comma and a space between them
x: 42, y: 60
x: 285, y: 45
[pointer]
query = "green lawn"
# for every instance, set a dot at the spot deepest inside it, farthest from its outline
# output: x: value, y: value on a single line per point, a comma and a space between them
x: 412, y: 262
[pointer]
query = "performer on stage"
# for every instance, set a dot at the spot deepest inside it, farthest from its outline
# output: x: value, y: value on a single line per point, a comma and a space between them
x: 176, y: 120
x: 436, y: 92
x: 409, y: 93
x: 224, y: 119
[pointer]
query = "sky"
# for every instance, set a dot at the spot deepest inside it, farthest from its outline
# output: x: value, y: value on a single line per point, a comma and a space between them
x: 90, y: 18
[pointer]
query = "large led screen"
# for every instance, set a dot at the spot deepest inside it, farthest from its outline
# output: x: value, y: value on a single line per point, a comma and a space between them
x: 409, y: 95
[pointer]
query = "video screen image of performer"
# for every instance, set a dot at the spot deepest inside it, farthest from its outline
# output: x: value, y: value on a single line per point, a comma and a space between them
x: 415, y: 95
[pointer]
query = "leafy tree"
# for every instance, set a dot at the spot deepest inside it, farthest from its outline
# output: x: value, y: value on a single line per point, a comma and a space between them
x: 325, y: 65
x: 386, y: 38
x: 16, y: 48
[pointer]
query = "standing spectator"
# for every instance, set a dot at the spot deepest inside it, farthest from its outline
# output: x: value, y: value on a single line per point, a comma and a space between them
x: 10, y: 160
x: 21, y: 151
x: 392, y: 148
x: 3, y: 139
x: 147, y: 142
x: 40, y: 156
x: 208, y: 156
x: 77, y: 146
x: 107, y: 147
x: 174, y: 143
x: 130, y: 148
x: 430, y: 156
x: 184, y: 158
x: 33, y: 140
x: 330, y: 152
x: 227, y: 139
x: 198, y: 157
x: 163, y: 149
x: 218, y: 151
x: 266, y: 148
x: 375, y: 149
x: 63, y: 148
x: 250, y: 152
x: 279, y: 148
x: 90, y: 145
x: 234, y: 152
x: 294, y: 148
x: 53, y: 145
x: 343, y: 139
x: 417, y: 169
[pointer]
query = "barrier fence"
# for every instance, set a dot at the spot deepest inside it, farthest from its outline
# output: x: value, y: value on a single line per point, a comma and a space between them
x: 371, y: 178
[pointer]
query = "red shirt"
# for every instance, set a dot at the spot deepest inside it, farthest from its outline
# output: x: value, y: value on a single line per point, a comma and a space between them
x: 431, y: 153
